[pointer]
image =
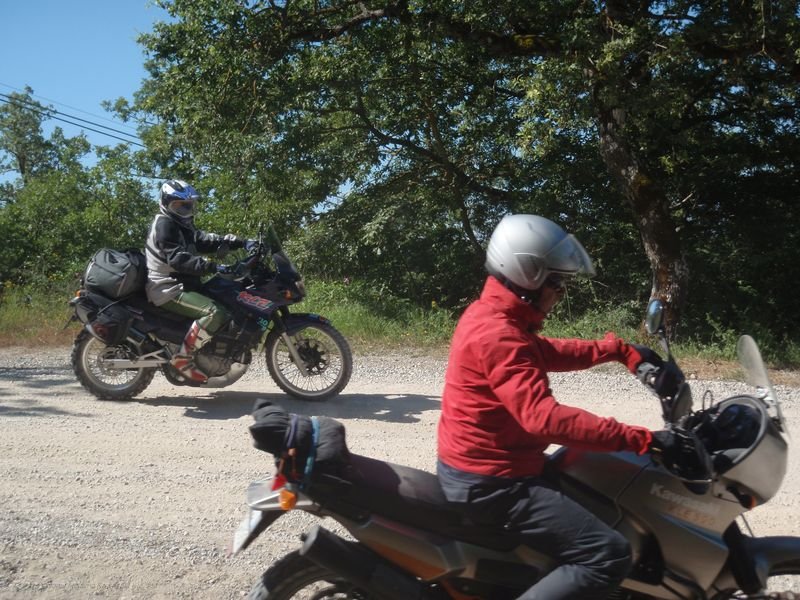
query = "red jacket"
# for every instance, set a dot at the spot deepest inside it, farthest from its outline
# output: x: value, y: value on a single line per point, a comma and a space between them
x: 498, y: 412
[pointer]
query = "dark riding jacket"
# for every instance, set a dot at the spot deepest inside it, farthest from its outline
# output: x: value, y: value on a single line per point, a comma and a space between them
x: 173, y: 253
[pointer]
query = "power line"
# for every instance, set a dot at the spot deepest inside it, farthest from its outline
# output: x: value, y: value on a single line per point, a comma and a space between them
x: 21, y: 103
x: 58, y: 112
x: 85, y: 112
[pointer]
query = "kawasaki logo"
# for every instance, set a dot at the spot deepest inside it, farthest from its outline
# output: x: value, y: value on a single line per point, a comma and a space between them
x: 685, y: 501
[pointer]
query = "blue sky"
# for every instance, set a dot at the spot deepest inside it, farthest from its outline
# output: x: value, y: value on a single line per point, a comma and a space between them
x: 75, y: 54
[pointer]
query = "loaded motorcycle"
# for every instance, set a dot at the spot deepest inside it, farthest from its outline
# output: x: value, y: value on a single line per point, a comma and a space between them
x: 126, y: 340
x: 681, y: 519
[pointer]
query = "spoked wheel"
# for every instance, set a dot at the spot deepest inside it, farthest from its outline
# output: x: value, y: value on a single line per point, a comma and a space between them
x: 782, y: 584
x: 325, y: 356
x: 88, y: 361
x: 296, y: 578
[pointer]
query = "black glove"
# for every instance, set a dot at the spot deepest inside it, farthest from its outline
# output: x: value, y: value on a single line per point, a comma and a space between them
x: 665, y: 447
x: 683, y: 454
x: 668, y: 380
x: 664, y: 379
x: 647, y: 355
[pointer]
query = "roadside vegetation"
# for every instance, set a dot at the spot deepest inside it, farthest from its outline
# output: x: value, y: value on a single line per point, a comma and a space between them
x: 376, y: 321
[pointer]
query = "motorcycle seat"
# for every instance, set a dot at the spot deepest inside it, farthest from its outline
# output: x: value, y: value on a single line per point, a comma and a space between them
x: 414, y: 497
x: 141, y: 302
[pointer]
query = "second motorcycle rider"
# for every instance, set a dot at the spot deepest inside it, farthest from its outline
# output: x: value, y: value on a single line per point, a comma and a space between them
x: 499, y: 414
x: 175, y: 267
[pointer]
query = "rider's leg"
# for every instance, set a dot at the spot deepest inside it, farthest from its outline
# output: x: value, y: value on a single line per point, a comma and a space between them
x: 208, y: 317
x: 593, y: 559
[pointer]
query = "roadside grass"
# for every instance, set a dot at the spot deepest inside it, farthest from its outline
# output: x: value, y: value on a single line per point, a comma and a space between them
x: 374, y: 321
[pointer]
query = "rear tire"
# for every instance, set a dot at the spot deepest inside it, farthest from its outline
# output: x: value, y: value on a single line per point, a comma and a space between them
x: 326, y: 356
x: 107, y: 384
x: 294, y: 577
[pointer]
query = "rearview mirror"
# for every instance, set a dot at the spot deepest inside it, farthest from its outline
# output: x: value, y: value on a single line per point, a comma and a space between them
x: 654, y: 322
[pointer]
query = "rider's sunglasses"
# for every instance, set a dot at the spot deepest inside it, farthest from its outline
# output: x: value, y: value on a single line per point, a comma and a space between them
x: 556, y: 281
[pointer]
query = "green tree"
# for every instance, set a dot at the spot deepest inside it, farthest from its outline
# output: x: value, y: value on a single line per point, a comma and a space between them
x: 23, y: 148
x: 645, y: 125
x: 59, y: 211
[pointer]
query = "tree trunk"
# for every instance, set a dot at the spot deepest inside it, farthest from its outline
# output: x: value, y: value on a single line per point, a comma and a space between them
x: 652, y: 217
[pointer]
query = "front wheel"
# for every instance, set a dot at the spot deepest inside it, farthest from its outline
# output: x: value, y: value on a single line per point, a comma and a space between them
x: 88, y: 362
x: 294, y: 577
x: 327, y: 362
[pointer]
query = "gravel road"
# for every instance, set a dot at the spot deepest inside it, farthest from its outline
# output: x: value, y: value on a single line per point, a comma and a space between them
x: 140, y: 499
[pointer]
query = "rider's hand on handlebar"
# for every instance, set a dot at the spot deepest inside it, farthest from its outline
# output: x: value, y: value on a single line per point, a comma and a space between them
x: 634, y: 355
x: 683, y: 454
x: 647, y: 355
x: 665, y: 447
x: 664, y: 379
x: 225, y: 270
x: 250, y: 245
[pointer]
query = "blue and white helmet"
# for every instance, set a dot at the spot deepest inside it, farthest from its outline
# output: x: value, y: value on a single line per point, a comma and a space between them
x: 179, y: 200
x: 526, y: 249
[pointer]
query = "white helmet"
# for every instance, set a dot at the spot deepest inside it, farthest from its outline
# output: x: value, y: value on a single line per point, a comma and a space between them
x: 179, y: 200
x: 525, y: 249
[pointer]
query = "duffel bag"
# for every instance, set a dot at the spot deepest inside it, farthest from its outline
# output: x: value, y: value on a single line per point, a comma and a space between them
x: 290, y: 439
x: 116, y: 273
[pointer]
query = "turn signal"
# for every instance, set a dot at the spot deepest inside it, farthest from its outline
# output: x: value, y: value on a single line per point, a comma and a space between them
x: 287, y: 499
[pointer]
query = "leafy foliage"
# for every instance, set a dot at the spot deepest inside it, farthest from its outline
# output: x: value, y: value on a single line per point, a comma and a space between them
x: 61, y: 211
x: 386, y: 139
x: 389, y: 137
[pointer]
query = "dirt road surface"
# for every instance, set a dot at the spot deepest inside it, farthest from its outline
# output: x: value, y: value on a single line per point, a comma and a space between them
x: 140, y: 499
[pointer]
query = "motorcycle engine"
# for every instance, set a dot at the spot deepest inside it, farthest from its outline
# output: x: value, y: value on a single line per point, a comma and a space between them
x: 216, y: 357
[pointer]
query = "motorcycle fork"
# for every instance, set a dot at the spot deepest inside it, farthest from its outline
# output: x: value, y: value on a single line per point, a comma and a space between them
x: 289, y: 340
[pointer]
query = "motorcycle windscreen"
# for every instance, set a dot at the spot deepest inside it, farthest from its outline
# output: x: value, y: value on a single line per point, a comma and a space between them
x: 756, y: 373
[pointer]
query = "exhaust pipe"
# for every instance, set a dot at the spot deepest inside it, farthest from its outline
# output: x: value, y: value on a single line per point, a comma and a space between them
x: 363, y: 567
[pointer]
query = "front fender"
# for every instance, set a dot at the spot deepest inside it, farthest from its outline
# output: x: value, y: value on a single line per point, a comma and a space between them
x: 296, y: 322
x: 773, y: 555
x: 754, y: 559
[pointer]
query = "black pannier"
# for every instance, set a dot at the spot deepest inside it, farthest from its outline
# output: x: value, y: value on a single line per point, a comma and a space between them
x: 290, y: 438
x: 116, y: 273
x: 106, y: 320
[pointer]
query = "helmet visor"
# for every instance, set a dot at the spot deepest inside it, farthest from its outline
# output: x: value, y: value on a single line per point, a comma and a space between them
x: 570, y: 258
x: 182, y: 208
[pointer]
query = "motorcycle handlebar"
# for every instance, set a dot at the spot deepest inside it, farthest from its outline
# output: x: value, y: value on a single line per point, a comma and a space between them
x: 665, y: 380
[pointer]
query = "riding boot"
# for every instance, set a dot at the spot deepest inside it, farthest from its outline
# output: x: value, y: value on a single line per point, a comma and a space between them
x: 183, y: 361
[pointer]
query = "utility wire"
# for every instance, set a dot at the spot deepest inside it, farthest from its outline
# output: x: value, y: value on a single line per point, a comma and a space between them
x: 58, y: 112
x: 36, y: 96
x: 49, y: 114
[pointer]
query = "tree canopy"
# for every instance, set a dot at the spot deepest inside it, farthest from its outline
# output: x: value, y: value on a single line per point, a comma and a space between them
x: 59, y: 211
x: 387, y: 138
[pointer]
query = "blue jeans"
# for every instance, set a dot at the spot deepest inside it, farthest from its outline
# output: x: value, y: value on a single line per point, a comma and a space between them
x: 593, y: 558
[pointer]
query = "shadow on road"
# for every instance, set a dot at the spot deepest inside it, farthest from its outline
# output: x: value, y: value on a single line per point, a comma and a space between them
x: 34, y: 408
x: 221, y: 405
x: 36, y: 377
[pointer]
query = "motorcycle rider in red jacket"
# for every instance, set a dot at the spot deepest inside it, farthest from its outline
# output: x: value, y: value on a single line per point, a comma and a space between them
x: 499, y: 414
